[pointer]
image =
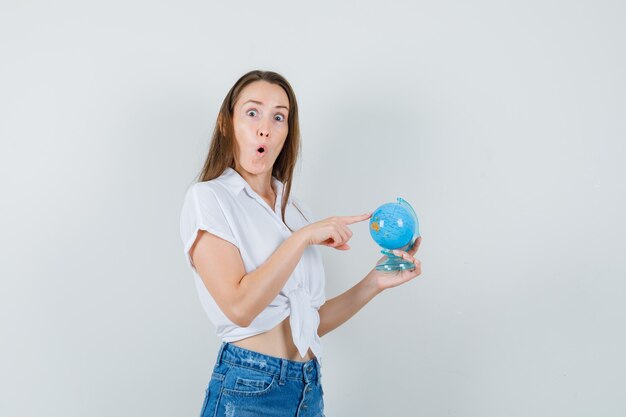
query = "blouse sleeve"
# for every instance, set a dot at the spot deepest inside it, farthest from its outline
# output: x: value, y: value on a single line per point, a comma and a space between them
x: 202, y: 211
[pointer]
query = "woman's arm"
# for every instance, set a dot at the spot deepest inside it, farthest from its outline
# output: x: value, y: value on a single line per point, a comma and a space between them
x: 336, y: 311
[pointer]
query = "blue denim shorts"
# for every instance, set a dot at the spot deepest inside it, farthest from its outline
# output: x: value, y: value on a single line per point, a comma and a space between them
x: 245, y: 383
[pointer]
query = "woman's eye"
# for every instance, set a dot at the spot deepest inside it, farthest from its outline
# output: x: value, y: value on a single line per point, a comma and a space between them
x: 251, y: 113
x: 279, y: 117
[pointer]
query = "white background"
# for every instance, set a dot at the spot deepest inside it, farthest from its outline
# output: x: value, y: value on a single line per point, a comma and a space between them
x: 503, y: 123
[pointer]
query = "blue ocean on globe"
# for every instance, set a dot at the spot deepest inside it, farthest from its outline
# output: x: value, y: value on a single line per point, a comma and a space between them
x: 392, y: 226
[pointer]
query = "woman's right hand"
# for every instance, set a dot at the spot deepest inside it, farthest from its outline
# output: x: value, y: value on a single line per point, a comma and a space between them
x: 333, y: 231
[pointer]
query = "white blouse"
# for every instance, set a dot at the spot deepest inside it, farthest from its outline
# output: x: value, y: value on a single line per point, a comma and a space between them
x: 229, y: 208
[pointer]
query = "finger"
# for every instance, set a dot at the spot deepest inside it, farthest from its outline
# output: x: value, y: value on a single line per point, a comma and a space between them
x: 343, y: 235
x: 347, y: 231
x: 416, y: 246
x: 340, y: 233
x: 354, y: 219
x: 405, y: 256
x: 417, y: 270
x: 413, y: 244
x: 337, y: 240
x: 334, y: 240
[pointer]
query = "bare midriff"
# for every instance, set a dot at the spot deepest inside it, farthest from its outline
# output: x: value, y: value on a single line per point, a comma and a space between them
x: 275, y: 342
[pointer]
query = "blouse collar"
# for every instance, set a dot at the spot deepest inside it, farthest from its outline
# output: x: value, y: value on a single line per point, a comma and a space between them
x: 235, y: 182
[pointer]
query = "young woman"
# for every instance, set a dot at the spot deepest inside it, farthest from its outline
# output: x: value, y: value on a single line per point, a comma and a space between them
x: 252, y: 250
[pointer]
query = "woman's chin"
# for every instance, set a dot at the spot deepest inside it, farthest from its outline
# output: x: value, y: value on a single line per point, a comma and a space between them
x: 258, y: 166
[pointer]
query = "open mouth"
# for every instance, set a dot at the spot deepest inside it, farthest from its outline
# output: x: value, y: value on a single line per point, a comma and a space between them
x: 260, y: 150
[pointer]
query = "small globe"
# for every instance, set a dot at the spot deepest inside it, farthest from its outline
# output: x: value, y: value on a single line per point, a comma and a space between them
x: 394, y: 225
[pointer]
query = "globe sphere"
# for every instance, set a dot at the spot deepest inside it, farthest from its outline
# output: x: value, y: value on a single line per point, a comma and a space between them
x: 392, y: 226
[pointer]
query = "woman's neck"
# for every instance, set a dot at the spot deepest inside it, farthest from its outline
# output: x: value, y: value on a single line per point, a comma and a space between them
x: 261, y: 184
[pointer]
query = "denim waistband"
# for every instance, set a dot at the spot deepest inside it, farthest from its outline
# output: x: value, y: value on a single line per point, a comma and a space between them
x: 306, y: 371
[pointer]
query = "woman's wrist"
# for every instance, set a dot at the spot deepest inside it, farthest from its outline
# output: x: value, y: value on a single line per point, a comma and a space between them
x: 301, y: 237
x: 371, y: 282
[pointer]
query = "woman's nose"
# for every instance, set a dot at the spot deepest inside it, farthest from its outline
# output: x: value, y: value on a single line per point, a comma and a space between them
x: 264, y: 130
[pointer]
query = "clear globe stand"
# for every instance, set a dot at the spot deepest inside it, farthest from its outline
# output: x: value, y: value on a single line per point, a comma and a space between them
x: 395, y: 262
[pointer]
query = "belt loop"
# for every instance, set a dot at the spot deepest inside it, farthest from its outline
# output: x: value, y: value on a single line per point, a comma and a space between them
x: 319, y: 373
x: 218, y: 362
x: 283, y: 371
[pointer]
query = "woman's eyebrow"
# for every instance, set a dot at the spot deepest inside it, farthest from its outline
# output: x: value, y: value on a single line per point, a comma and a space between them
x: 258, y: 102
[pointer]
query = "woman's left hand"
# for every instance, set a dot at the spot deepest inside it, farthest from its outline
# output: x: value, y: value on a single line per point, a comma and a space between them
x: 389, y: 279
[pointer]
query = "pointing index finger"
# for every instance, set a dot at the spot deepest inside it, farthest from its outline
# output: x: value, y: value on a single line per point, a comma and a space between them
x: 357, y: 218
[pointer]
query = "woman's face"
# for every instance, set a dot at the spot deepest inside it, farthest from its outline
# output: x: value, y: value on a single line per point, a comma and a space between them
x: 260, y: 121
